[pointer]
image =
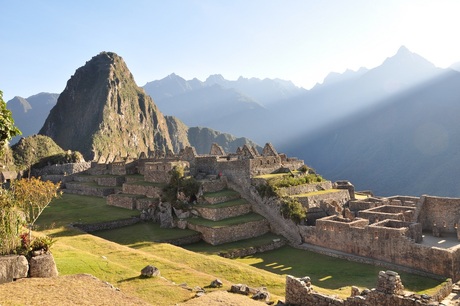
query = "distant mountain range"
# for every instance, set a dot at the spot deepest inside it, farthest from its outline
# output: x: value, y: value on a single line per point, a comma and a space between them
x: 29, y: 114
x: 391, y: 129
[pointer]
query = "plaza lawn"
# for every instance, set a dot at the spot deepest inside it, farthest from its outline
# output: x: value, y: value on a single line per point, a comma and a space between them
x: 71, y: 208
x: 331, y: 273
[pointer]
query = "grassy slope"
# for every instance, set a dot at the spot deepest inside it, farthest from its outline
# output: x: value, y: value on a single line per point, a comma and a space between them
x: 77, y: 252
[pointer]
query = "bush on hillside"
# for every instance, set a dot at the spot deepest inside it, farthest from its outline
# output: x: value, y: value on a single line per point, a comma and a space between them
x: 30, y: 150
x: 293, y: 209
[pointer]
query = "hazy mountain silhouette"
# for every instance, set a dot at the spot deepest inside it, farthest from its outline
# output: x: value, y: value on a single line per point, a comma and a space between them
x: 29, y: 114
x: 408, y: 143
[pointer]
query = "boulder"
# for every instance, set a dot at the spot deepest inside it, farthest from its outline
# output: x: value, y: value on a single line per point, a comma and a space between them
x: 240, y: 289
x: 262, y: 295
x: 13, y: 267
x: 43, y: 266
x: 150, y: 271
x: 217, y: 283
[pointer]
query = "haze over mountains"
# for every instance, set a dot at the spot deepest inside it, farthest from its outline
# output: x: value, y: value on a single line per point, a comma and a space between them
x: 391, y: 129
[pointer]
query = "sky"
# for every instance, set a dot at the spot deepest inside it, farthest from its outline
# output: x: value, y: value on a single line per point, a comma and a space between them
x: 43, y: 42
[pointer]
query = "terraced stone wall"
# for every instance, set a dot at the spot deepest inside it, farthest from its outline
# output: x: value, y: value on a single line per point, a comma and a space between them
x: 216, y: 236
x: 217, y: 214
x: 147, y: 190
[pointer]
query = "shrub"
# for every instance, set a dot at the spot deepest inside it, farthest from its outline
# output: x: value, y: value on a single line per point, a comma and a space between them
x: 293, y: 209
x: 266, y: 190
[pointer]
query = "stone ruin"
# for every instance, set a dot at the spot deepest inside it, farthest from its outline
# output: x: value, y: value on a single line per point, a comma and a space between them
x: 389, y: 292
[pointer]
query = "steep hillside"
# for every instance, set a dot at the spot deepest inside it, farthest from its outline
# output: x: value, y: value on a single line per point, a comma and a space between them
x: 102, y: 111
x: 407, y: 144
x: 29, y: 114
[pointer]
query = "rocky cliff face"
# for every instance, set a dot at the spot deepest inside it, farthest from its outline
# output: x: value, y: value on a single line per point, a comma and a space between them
x: 102, y: 111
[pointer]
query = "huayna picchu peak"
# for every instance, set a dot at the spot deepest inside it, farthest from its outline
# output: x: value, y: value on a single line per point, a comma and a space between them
x: 102, y: 111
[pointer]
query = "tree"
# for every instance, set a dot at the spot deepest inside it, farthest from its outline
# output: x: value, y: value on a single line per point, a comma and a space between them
x: 32, y: 196
x: 7, y: 128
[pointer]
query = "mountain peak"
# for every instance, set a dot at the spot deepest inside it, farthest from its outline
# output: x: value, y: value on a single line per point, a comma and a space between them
x: 102, y: 111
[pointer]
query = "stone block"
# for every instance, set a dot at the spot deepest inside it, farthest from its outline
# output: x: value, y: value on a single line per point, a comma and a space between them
x: 13, y: 267
x: 43, y: 266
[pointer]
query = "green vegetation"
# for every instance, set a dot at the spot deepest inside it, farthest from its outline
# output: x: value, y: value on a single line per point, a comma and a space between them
x: 20, y: 206
x: 231, y: 203
x: 136, y: 235
x: 204, y: 248
x: 226, y: 222
x: 318, y: 192
x: 7, y: 128
x: 71, y: 208
x: 330, y: 273
x: 292, y: 209
x: 77, y: 252
x: 30, y: 150
x: 180, y: 183
x: 222, y: 193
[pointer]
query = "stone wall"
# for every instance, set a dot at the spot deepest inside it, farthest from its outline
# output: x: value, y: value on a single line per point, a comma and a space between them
x: 62, y: 169
x: 110, y: 181
x: 122, y: 200
x: 97, y: 191
x: 214, y: 185
x: 390, y: 244
x: 315, y: 200
x: 273, y: 245
x: 89, y: 228
x: 216, y: 236
x: 442, y: 212
x: 403, y: 213
x: 221, y: 213
x: 151, y: 191
x: 389, y: 292
x: 305, y: 188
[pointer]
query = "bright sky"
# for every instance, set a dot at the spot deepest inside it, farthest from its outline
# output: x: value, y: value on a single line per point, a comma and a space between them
x: 42, y: 43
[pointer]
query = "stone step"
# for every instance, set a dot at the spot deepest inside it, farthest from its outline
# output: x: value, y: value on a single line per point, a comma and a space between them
x: 213, y: 185
x: 224, y: 210
x: 231, y: 229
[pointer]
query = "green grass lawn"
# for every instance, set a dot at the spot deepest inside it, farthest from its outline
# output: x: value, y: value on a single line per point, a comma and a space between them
x: 71, y: 208
x: 230, y: 203
x: 145, y: 183
x: 313, y: 193
x: 205, y: 248
x: 137, y: 234
x: 221, y: 193
x: 329, y: 272
x: 226, y: 222
x: 78, y: 252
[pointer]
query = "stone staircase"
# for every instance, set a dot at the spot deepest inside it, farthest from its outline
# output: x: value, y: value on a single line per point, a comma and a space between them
x: 226, y: 217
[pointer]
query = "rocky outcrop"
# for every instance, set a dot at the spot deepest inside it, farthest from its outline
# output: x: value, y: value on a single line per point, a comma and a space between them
x: 102, y: 111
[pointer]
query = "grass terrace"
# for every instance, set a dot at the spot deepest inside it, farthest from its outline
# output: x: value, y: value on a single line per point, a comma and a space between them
x: 314, y: 193
x: 226, y: 222
x: 231, y: 203
x: 222, y: 193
